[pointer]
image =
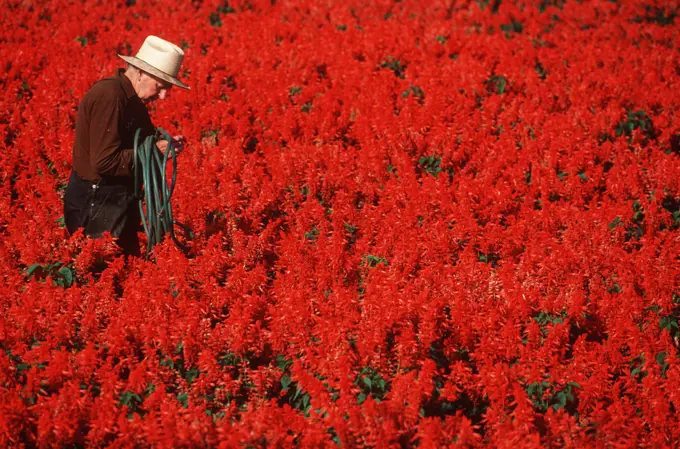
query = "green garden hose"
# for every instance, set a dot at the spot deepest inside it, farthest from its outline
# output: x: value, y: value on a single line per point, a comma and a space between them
x: 153, y: 190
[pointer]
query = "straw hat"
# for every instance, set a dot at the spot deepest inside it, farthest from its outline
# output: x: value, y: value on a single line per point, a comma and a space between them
x: 160, y: 58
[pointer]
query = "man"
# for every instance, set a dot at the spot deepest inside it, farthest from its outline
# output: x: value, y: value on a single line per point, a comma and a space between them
x: 100, y: 193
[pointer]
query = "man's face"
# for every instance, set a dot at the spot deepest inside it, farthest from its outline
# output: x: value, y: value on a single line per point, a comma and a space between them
x: 149, y: 87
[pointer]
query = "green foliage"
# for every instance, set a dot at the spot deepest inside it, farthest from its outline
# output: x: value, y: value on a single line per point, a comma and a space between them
x: 635, y: 120
x: 132, y: 401
x: 416, y: 92
x: 394, y: 65
x: 312, y: 235
x: 372, y: 384
x: 293, y: 394
x: 19, y: 365
x: 493, y: 5
x: 177, y: 364
x: 207, y: 133
x: 295, y: 90
x: 669, y: 323
x: 497, y: 84
x: 61, y: 275
x: 82, y: 40
x: 657, y: 15
x: 351, y: 233
x: 229, y: 359
x: 24, y: 90
x: 544, y: 395
x: 183, y: 399
x: 431, y: 164
x: 638, y: 363
x: 636, y: 367
x: 513, y: 27
x: 542, y: 73
x: 661, y: 360
x: 334, y: 436
x: 672, y: 206
x: 373, y: 261
x: 545, y: 4
x: 635, y: 229
x: 615, y: 288
x: 490, y: 258
x: 224, y: 8
x: 191, y: 375
x: 216, y: 17
x: 544, y: 319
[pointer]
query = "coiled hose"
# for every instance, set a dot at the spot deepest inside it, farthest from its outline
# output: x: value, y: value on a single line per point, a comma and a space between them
x: 153, y: 190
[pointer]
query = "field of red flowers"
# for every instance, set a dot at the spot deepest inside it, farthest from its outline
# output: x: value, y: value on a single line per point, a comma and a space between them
x: 417, y: 224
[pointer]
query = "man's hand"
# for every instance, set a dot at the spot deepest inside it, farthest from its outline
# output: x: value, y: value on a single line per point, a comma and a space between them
x: 177, y: 142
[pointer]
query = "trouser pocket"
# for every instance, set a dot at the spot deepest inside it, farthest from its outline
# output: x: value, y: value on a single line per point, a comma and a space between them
x: 109, y: 210
x: 102, y: 207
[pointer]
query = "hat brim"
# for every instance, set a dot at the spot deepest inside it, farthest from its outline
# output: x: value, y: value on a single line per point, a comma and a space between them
x: 153, y: 71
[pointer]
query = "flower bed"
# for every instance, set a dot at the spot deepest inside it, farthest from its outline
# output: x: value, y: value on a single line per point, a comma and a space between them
x: 416, y: 224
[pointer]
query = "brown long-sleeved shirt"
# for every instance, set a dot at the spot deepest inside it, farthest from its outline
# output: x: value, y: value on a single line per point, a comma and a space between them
x: 108, y: 118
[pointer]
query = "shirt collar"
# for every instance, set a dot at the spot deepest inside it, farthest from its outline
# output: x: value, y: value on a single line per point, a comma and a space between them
x: 127, y: 84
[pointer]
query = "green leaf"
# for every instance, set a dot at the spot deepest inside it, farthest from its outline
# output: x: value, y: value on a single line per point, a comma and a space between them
x: 513, y: 27
x: 531, y: 388
x: 395, y: 65
x: 661, y: 358
x: 431, y: 164
x: 32, y: 269
x: 285, y: 381
x: 307, y: 107
x: 192, y: 374
x: 497, y: 84
x: 373, y: 261
x: 561, y: 400
x: 665, y: 323
x: 312, y: 235
x: 130, y: 399
x: 183, y: 399
x: 295, y: 90
x: 67, y: 276
x: 282, y: 362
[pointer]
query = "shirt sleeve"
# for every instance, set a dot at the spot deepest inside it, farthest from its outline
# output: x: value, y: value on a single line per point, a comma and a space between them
x: 107, y: 157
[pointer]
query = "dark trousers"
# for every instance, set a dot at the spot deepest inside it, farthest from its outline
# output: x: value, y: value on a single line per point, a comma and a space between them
x: 109, y: 205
